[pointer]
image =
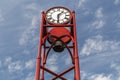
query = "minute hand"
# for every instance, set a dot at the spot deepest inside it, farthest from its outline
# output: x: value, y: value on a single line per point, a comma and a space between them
x: 58, y: 16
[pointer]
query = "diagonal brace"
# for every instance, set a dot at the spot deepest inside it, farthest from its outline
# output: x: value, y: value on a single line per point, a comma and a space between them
x: 55, y: 74
x: 64, y: 72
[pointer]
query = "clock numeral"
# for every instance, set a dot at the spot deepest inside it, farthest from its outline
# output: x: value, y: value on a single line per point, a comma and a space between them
x: 51, y: 19
x: 60, y: 21
x: 51, y: 11
x: 67, y: 16
x: 67, y: 13
x: 48, y: 16
x: 55, y: 10
x: 65, y: 19
x: 58, y: 9
x: 61, y: 9
x: 56, y: 21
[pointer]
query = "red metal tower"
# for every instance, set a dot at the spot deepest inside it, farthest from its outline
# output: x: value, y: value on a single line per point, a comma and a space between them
x: 63, y: 30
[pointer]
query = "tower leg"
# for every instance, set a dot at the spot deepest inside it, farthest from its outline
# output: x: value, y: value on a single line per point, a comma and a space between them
x: 77, y: 69
x: 38, y: 61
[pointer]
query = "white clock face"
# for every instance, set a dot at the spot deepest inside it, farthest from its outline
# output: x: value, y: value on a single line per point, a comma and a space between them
x: 58, y: 15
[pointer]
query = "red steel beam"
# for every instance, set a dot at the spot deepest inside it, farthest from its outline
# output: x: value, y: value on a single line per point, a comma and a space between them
x: 77, y: 68
x: 65, y: 25
x: 38, y: 61
x: 64, y: 72
x: 46, y: 69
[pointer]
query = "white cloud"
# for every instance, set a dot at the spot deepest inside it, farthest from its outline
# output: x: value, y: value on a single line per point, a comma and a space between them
x: 18, y: 66
x: 117, y: 20
x: 30, y: 76
x: 116, y: 67
x: 119, y: 78
x: 32, y: 6
x: 98, y: 45
x: 116, y: 2
x: 68, y: 61
x: 53, y: 67
x: 52, y: 59
x: 8, y: 60
x: 90, y: 76
x: 0, y: 63
x: 99, y: 21
x: 81, y: 3
x: 28, y: 35
x: 52, y: 62
x: 100, y: 77
x: 98, y: 24
x: 1, y: 16
x: 30, y: 64
x: 99, y: 13
x: 15, y: 66
x: 118, y: 24
x: 83, y: 75
x: 26, y: 52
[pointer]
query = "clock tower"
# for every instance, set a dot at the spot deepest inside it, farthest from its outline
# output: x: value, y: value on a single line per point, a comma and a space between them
x: 57, y: 30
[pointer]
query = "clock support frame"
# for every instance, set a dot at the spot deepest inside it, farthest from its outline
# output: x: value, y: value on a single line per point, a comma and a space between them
x: 43, y: 50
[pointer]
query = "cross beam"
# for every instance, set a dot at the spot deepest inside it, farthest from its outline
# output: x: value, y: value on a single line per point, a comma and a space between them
x: 58, y: 75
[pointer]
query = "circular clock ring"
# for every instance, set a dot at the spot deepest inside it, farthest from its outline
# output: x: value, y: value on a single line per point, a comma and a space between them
x: 58, y: 15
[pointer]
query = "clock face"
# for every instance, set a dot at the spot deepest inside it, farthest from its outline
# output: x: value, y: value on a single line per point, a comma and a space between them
x: 58, y: 15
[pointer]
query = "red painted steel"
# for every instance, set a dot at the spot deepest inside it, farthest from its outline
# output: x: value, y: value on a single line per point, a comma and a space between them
x: 77, y: 70
x: 38, y: 61
x: 58, y: 32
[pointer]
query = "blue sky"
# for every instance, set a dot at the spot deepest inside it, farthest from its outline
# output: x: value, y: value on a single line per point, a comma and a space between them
x: 98, y: 30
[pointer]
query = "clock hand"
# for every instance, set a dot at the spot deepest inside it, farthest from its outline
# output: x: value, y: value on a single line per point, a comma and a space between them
x: 58, y: 16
